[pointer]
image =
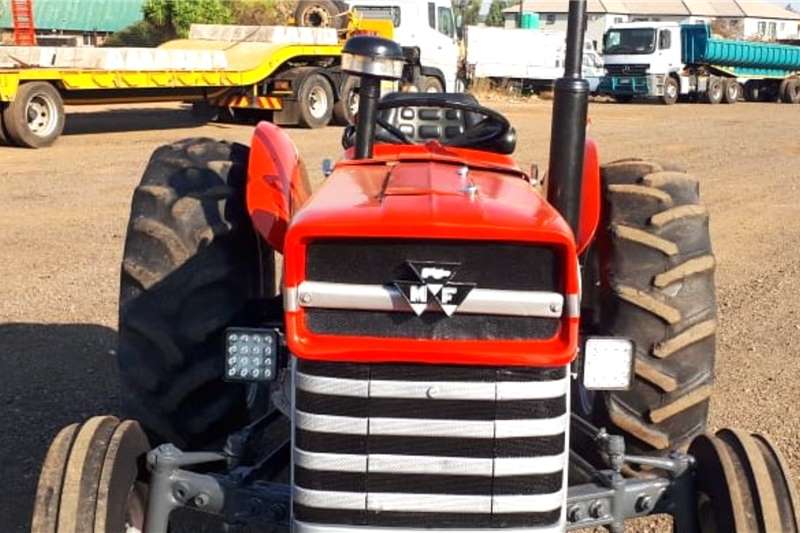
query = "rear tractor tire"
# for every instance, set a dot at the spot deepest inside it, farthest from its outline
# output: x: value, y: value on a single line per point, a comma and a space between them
x: 654, y: 284
x: 743, y: 485
x: 35, y: 118
x: 191, y: 263
x: 430, y: 84
x: 4, y: 140
x: 91, y: 481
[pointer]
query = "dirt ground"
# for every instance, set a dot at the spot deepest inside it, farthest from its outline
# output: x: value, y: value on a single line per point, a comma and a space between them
x: 63, y: 212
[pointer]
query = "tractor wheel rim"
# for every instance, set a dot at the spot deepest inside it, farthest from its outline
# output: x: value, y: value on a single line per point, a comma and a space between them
x: 42, y: 115
x: 317, y: 102
x: 135, y: 510
x: 672, y: 91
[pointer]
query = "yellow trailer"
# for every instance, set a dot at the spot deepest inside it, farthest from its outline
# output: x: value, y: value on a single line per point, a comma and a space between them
x: 293, y: 83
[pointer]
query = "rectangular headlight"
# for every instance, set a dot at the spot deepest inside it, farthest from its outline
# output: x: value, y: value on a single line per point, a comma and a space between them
x: 608, y: 363
x: 250, y: 354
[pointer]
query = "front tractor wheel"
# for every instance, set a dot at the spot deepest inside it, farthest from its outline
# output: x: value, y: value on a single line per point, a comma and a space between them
x: 91, y: 481
x: 743, y: 485
x: 191, y: 262
x: 653, y: 281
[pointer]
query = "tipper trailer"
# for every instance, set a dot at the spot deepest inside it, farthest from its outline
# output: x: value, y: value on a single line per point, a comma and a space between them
x: 667, y: 60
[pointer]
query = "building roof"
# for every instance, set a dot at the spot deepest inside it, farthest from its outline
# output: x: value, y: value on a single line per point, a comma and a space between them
x: 707, y: 8
x: 79, y: 15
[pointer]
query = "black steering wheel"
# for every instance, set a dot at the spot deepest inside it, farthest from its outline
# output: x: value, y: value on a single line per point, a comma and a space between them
x: 486, y: 131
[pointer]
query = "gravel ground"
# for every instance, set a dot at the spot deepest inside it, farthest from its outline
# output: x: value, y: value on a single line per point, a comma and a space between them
x: 63, y: 213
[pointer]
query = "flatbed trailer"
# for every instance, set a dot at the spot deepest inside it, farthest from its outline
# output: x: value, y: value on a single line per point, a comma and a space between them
x: 293, y: 83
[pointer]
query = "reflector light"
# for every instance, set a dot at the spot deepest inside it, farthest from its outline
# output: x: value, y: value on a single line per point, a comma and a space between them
x: 250, y: 354
x: 608, y: 363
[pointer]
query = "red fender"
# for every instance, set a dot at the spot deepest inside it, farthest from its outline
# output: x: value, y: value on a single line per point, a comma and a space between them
x: 590, y: 197
x: 277, y: 183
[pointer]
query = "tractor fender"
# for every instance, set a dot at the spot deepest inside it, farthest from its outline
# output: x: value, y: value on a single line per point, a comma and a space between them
x: 277, y: 183
x: 590, y: 197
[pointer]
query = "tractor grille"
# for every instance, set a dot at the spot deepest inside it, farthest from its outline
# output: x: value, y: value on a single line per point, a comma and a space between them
x: 627, y: 70
x: 487, y: 265
x: 421, y: 446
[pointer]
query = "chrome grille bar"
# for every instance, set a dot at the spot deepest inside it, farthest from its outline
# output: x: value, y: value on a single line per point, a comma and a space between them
x: 324, y: 295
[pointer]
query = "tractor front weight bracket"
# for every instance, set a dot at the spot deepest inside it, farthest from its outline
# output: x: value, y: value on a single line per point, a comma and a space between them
x: 172, y: 487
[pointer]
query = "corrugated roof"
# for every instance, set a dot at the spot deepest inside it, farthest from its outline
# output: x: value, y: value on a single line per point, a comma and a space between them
x: 707, y: 8
x: 766, y: 10
x: 555, y: 6
x: 79, y: 15
x: 713, y: 8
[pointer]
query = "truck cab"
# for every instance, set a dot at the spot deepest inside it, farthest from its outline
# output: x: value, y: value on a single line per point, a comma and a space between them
x: 640, y: 58
x: 429, y: 28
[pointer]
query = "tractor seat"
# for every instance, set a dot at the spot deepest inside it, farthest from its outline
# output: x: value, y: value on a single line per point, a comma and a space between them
x: 423, y: 124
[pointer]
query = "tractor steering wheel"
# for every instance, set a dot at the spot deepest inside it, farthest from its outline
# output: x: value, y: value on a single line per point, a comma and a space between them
x: 482, y: 126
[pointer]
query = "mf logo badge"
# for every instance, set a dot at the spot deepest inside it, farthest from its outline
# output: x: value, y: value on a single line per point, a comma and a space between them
x: 434, y: 285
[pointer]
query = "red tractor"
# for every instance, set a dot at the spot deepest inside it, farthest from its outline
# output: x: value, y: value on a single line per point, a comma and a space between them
x: 426, y: 343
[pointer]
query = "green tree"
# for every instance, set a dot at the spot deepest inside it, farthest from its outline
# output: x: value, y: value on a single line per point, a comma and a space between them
x: 469, y: 10
x: 178, y: 15
x: 495, y: 15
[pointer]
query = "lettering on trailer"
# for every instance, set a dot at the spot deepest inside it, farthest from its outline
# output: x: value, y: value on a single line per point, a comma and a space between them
x: 434, y: 283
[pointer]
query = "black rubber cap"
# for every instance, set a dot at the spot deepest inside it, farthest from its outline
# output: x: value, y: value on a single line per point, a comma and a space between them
x: 371, y: 46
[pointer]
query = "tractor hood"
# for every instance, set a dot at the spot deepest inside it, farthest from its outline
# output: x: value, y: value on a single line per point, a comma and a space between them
x: 428, y: 199
x: 373, y: 219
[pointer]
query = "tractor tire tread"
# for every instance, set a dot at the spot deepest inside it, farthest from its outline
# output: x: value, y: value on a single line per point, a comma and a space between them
x: 657, y: 290
x: 187, y: 271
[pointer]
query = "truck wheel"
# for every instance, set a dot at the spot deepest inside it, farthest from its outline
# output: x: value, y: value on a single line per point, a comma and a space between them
x: 714, y: 91
x: 90, y: 479
x: 320, y: 14
x: 791, y: 92
x: 731, y: 91
x: 4, y: 140
x: 671, y: 91
x: 752, y: 89
x: 430, y: 84
x: 35, y: 118
x: 315, y: 101
x: 190, y: 264
x: 346, y: 107
x: 743, y: 485
x: 656, y: 287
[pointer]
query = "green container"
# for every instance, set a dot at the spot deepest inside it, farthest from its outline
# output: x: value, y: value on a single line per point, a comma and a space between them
x: 530, y: 20
x: 700, y: 48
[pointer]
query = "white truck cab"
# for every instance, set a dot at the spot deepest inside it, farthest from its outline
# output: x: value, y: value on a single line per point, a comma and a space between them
x: 429, y: 27
x: 640, y: 60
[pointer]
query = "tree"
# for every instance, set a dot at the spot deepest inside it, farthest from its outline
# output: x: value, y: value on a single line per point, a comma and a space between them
x: 495, y: 16
x: 261, y: 12
x: 178, y: 15
x: 469, y: 10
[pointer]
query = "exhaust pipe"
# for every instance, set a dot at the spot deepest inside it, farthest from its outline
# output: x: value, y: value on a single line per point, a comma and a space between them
x: 568, y: 130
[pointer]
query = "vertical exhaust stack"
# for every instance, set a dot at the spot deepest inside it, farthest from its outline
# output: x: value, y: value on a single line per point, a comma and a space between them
x: 372, y: 59
x: 568, y: 131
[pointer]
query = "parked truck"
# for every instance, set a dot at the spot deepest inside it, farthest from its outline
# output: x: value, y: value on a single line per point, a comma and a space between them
x: 289, y: 74
x: 491, y: 53
x: 667, y: 60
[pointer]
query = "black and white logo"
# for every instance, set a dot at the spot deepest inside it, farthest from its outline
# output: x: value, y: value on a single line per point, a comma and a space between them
x: 434, y: 285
